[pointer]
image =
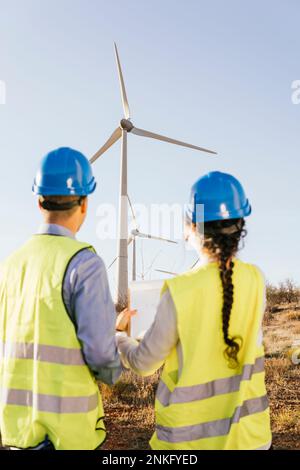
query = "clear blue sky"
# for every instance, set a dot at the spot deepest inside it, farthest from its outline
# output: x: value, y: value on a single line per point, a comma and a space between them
x: 215, y: 73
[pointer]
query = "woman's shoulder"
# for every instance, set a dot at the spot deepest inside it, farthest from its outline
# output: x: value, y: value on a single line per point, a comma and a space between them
x: 251, y: 268
x: 186, y: 278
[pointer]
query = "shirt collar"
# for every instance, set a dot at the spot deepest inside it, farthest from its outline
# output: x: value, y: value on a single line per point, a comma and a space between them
x: 55, y: 229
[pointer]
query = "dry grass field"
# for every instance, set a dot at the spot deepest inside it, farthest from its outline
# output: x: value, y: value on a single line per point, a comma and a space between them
x: 282, y: 329
x: 129, y: 404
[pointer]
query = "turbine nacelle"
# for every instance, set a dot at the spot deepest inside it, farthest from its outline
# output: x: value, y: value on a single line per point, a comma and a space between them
x: 126, y: 125
x: 135, y: 232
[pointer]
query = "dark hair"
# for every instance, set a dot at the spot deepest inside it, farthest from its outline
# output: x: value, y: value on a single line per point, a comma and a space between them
x: 221, y: 239
x: 66, y: 204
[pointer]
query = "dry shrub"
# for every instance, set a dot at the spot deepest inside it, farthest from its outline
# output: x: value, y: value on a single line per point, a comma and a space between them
x: 292, y: 315
x: 286, y: 292
x: 286, y: 419
x: 131, y: 390
x: 296, y: 329
x: 277, y: 370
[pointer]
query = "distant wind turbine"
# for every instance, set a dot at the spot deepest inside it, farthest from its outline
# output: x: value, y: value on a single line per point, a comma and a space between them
x: 122, y: 130
x: 135, y: 233
x: 132, y: 239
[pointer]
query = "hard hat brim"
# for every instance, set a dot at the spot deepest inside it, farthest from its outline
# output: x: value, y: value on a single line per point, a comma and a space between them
x: 47, y: 191
x: 210, y: 217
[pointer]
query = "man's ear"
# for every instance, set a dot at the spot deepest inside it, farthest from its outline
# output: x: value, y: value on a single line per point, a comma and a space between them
x: 84, y: 205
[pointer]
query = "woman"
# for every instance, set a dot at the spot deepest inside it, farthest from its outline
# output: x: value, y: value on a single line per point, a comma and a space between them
x: 207, y: 333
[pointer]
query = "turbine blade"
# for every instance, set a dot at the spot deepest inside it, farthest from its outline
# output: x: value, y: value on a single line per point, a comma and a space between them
x: 122, y: 86
x: 166, y: 272
x: 132, y: 212
x: 195, y: 263
x: 113, y: 138
x: 144, y: 133
x: 153, y: 261
x: 130, y: 240
x: 112, y: 262
x: 153, y: 237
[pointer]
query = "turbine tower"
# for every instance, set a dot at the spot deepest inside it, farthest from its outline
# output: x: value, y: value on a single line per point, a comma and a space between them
x: 121, y: 131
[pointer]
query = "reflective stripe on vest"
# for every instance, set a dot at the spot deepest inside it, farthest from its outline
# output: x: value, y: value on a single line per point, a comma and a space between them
x: 209, y: 389
x: 42, y: 352
x: 49, y: 403
x: 215, y: 428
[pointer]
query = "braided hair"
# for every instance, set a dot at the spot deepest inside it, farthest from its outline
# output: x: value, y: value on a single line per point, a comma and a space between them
x: 221, y: 240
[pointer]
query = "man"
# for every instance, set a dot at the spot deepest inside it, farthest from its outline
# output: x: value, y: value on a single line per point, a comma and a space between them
x: 57, y: 321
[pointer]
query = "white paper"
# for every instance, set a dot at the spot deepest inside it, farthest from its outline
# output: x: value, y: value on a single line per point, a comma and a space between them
x: 144, y: 297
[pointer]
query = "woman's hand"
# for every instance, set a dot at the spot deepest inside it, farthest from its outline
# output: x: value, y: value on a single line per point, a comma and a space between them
x: 123, y: 319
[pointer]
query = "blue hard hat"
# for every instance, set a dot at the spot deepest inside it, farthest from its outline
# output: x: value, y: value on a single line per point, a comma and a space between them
x: 64, y: 172
x: 220, y: 195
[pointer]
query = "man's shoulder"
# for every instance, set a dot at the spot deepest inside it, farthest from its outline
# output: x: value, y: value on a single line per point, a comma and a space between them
x: 87, y: 259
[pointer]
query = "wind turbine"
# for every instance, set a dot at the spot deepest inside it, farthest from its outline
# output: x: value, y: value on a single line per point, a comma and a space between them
x: 135, y: 233
x: 132, y: 239
x: 121, y: 131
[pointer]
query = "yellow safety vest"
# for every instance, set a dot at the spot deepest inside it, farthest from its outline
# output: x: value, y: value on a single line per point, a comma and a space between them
x: 207, y: 405
x: 46, y: 388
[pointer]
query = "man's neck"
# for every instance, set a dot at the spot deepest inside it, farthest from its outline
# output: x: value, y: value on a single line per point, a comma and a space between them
x: 62, y: 223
